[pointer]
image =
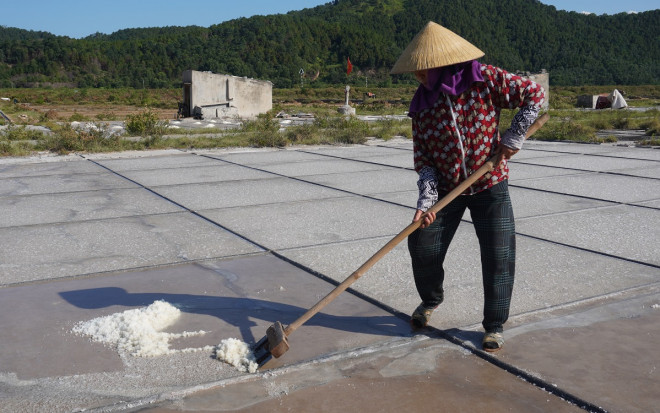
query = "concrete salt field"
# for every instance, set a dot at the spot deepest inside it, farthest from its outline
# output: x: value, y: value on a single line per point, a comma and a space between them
x: 238, y: 239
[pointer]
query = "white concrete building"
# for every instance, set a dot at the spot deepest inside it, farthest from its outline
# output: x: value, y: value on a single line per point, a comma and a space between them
x: 210, y: 95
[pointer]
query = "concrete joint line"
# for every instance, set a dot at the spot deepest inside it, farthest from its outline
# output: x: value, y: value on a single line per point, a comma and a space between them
x: 522, y: 374
x: 172, y: 396
x: 599, y: 155
x: 547, y: 191
x: 358, y: 160
x: 605, y: 254
x: 197, y: 214
x: 310, y: 182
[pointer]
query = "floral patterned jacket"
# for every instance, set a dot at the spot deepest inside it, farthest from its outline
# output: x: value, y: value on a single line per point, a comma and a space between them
x: 458, y: 134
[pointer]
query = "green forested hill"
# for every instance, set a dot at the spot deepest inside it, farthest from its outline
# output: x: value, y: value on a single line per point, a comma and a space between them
x: 522, y: 35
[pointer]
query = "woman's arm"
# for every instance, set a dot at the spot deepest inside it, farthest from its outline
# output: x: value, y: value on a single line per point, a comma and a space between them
x: 513, y: 91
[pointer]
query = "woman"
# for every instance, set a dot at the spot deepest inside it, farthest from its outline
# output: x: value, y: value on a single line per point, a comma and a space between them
x: 455, y: 115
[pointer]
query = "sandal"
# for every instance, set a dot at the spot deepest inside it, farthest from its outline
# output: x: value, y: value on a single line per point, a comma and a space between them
x: 421, y: 316
x: 492, y: 342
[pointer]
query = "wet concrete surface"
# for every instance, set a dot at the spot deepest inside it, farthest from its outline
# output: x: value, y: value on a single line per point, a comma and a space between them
x: 230, y: 298
x: 238, y: 239
x: 422, y: 375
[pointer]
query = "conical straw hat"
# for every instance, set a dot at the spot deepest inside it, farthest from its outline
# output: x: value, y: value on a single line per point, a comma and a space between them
x: 435, y: 46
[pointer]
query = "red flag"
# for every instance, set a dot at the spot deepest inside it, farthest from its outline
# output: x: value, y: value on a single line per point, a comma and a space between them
x: 349, y: 66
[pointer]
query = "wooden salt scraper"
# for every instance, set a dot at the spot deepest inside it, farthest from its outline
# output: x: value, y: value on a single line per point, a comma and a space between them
x: 275, y: 342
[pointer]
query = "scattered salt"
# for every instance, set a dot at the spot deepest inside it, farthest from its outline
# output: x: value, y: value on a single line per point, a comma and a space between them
x: 238, y: 354
x: 138, y: 332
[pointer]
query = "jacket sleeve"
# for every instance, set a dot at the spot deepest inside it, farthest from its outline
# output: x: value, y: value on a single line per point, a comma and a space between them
x: 428, y: 179
x: 513, y: 91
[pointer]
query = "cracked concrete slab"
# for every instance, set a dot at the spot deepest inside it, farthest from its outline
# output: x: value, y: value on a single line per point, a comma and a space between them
x: 606, y: 230
x: 80, y: 206
x: 545, y: 275
x: 78, y: 166
x: 653, y: 172
x: 314, y: 222
x: 518, y: 172
x: 359, y: 151
x: 71, y: 249
x: 315, y: 167
x: 615, y: 188
x: 369, y: 182
x: 231, y: 298
x: 529, y: 203
x: 425, y: 375
x: 218, y: 172
x: 244, y: 193
x: 59, y: 183
x: 400, y: 159
x: 616, y: 341
x: 595, y: 163
x: 144, y: 162
x: 266, y: 156
x: 122, y: 247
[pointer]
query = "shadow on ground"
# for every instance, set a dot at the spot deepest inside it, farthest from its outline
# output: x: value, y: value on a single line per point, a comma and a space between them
x: 236, y: 311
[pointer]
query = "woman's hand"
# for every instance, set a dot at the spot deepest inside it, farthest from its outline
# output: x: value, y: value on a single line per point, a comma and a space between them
x: 504, y: 153
x: 427, y: 219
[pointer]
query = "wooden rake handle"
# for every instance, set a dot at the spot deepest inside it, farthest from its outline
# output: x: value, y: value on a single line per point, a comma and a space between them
x: 487, y: 167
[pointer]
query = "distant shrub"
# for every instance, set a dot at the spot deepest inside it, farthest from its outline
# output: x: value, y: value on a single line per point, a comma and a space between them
x: 49, y: 116
x: 67, y: 139
x: 77, y: 117
x: 348, y: 130
x: 302, y: 134
x: 389, y: 128
x: 264, y: 131
x: 106, y: 116
x: 567, y: 130
x: 649, y: 142
x: 20, y: 133
x: 652, y: 127
x: 145, y: 124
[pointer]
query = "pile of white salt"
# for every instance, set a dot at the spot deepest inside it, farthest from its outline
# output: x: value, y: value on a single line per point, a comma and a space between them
x: 238, y: 354
x: 138, y: 332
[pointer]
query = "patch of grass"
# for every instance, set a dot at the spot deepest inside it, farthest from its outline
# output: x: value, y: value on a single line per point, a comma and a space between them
x: 16, y: 148
x: 106, y: 116
x: 307, y: 134
x: 66, y: 139
x: 18, y: 141
x: 566, y: 130
x: 649, y: 142
x: 389, y: 128
x: 20, y: 133
x: 77, y: 117
x: 652, y: 127
x: 345, y: 130
x: 146, y: 125
x: 263, y: 132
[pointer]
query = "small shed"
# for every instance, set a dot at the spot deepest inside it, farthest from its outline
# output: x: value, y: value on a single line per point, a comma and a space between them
x: 613, y: 100
x: 208, y: 95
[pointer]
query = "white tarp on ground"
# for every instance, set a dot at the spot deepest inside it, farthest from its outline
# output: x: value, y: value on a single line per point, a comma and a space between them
x: 617, y: 100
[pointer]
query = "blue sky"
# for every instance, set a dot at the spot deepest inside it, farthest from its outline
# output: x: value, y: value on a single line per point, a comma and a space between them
x: 80, y: 18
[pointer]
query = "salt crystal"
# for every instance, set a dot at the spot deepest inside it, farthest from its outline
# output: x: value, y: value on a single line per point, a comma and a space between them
x: 137, y: 331
x: 238, y: 354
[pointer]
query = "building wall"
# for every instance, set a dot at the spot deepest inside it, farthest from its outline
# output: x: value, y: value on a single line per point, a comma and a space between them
x: 213, y: 95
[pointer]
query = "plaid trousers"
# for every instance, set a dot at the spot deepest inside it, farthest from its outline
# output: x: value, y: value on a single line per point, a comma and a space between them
x: 492, y: 216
